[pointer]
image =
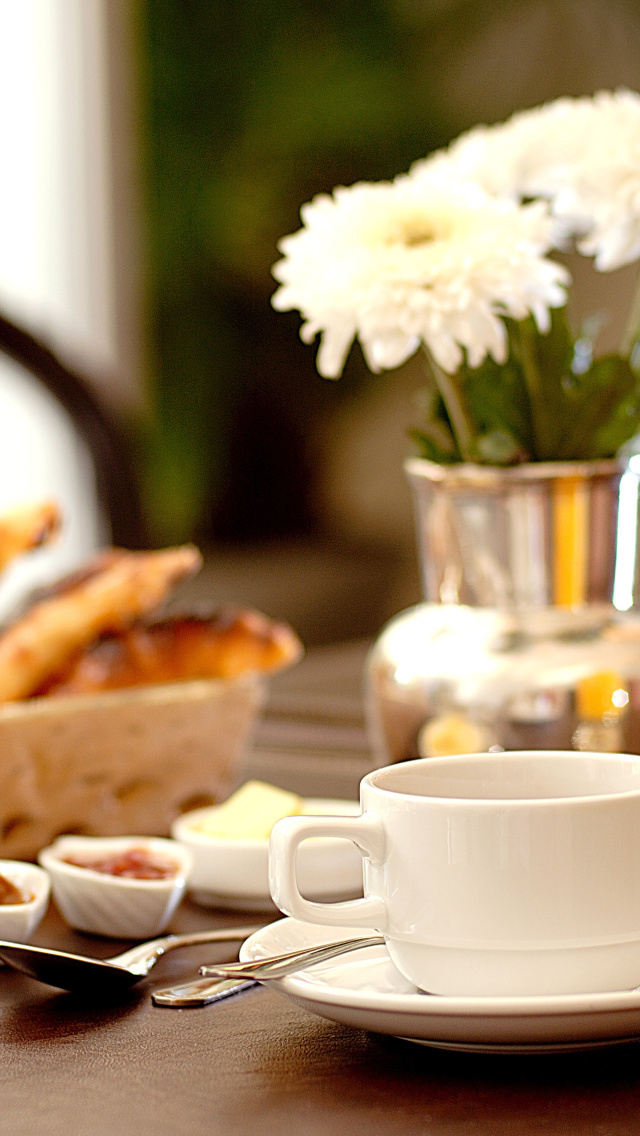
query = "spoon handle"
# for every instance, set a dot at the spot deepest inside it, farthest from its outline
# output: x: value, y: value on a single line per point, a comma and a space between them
x: 199, y: 993
x: 277, y: 966
x: 142, y: 956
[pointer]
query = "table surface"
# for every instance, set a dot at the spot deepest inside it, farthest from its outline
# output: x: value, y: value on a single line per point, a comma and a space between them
x: 259, y: 1064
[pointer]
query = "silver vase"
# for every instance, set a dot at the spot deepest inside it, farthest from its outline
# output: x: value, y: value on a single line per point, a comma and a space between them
x: 529, y: 636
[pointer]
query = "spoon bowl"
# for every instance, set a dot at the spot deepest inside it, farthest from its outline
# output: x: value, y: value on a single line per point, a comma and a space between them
x: 106, y: 976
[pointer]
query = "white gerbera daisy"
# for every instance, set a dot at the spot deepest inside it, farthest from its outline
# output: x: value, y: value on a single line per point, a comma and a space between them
x: 521, y: 157
x: 601, y: 188
x: 582, y: 154
x: 401, y: 263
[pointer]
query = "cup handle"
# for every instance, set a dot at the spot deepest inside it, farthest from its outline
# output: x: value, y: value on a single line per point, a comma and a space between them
x: 367, y: 834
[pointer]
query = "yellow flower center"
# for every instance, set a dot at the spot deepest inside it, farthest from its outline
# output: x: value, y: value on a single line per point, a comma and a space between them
x: 411, y: 239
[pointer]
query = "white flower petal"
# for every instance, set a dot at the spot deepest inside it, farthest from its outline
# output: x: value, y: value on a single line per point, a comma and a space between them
x: 445, y: 351
x: 334, y: 347
x: 386, y: 352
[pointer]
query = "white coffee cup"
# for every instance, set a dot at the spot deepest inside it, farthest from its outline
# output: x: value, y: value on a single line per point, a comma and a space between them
x: 491, y: 874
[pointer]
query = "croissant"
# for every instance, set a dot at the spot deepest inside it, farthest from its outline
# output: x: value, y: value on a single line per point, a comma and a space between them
x: 25, y: 528
x: 230, y: 643
x: 114, y: 590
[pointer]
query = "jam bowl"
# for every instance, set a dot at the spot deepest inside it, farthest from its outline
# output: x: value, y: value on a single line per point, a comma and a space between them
x: 24, y: 898
x: 124, y: 887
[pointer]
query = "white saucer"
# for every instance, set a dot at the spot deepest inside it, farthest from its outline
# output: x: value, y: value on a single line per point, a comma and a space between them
x: 365, y: 990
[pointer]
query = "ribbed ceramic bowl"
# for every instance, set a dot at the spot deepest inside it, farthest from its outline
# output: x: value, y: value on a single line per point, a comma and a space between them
x: 235, y: 873
x: 117, y: 906
x: 18, y: 921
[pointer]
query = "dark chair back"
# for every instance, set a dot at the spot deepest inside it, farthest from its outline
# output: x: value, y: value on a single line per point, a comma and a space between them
x: 116, y: 477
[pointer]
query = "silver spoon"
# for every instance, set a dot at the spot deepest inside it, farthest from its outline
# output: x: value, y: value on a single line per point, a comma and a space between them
x: 240, y: 974
x: 79, y: 972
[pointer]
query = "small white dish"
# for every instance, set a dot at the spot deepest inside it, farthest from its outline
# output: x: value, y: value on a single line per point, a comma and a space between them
x: 364, y: 989
x: 18, y: 921
x: 116, y: 906
x: 235, y: 873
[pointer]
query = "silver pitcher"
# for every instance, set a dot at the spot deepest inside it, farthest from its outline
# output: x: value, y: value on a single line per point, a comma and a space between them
x: 529, y: 636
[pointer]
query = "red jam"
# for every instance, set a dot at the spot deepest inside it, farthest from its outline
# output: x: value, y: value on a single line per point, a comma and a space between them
x: 9, y: 893
x: 132, y: 864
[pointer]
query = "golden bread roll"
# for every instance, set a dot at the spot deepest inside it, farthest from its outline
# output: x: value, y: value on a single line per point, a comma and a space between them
x: 229, y: 644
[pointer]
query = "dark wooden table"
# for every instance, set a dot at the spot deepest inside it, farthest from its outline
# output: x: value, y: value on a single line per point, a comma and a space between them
x: 258, y: 1064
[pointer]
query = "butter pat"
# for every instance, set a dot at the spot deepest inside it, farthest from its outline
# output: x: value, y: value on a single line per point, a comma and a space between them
x: 250, y: 813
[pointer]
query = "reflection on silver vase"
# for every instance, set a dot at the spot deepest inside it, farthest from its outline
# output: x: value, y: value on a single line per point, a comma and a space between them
x: 529, y: 636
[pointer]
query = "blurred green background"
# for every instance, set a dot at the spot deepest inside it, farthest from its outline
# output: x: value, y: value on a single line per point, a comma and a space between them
x: 248, y: 109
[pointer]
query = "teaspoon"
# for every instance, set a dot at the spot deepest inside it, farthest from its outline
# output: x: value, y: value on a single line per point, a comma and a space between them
x: 81, y: 973
x: 237, y: 975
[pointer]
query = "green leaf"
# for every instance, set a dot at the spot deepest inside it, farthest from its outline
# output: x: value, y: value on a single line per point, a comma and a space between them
x: 575, y: 417
x: 498, y: 405
x: 429, y: 449
x: 499, y: 447
x: 589, y: 402
x: 435, y: 437
x: 545, y: 363
x: 534, y: 407
x: 612, y: 412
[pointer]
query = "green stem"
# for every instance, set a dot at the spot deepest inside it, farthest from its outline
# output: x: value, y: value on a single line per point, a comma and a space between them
x: 453, y: 399
x: 632, y: 330
x: 523, y: 341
